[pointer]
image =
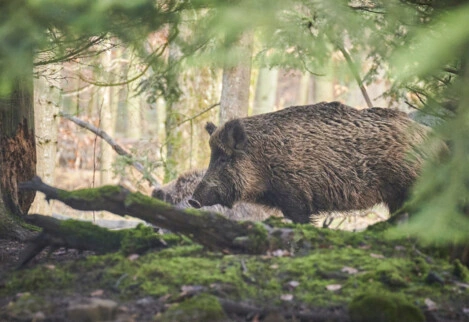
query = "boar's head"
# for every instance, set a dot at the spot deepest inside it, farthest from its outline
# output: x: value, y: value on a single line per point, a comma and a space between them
x: 229, y: 177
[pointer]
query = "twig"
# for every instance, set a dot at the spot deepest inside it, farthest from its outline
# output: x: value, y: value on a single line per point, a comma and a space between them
x: 116, y: 147
x: 353, y: 68
x: 356, y: 75
x: 72, y: 54
x: 157, y: 53
x: 187, y: 120
x: 197, y: 115
x: 452, y: 70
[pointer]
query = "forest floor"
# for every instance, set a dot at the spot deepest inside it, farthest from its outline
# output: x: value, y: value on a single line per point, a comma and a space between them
x: 352, y: 274
x: 328, y: 275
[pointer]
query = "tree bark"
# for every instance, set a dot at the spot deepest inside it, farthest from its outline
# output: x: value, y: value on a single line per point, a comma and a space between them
x: 209, y: 229
x: 17, y: 155
x: 107, y: 121
x: 173, y: 135
x: 47, y: 100
x: 234, y: 100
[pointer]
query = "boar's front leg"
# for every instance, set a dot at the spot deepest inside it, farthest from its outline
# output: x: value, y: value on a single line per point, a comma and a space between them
x: 295, y: 209
x: 297, y: 215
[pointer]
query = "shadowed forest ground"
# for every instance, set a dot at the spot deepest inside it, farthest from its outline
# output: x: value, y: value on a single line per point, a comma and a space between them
x: 326, y: 275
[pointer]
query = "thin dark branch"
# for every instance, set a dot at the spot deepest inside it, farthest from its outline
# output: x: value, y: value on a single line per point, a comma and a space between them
x: 116, y: 147
x: 187, y: 120
x: 371, y: 9
x: 452, y: 70
x: 128, y: 81
x: 198, y: 114
x: 72, y: 54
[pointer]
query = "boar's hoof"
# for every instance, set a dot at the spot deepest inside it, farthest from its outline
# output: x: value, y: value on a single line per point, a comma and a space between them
x: 194, y: 203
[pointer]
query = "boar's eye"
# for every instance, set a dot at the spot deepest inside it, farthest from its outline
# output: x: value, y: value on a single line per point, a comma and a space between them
x: 224, y: 158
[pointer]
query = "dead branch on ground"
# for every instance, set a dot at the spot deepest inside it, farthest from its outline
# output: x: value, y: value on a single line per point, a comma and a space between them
x: 211, y: 230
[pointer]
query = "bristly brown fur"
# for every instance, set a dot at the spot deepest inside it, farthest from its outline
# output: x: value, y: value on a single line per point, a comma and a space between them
x: 308, y: 159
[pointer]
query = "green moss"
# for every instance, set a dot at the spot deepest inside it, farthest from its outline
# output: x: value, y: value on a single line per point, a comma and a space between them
x: 139, y: 239
x: 379, y: 226
x: 91, y: 193
x: 182, y: 251
x: 38, y: 278
x: 460, y: 271
x: 25, y: 306
x: 81, y: 232
x: 257, y: 240
x: 169, y: 274
x: 420, y: 266
x: 390, y: 274
x: 383, y: 307
x: 197, y: 309
x: 142, y: 199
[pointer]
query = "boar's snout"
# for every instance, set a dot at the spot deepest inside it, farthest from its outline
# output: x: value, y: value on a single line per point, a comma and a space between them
x: 205, y: 194
x: 194, y: 203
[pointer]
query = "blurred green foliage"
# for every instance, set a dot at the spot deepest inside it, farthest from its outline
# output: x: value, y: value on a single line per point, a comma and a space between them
x: 421, y: 45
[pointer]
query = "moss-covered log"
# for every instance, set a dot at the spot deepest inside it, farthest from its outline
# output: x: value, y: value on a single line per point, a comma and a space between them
x: 87, y: 236
x: 211, y: 230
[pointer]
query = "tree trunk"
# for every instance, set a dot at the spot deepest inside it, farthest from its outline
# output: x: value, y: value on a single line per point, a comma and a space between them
x: 107, y: 123
x: 303, y: 90
x: 266, y: 91
x: 234, y: 101
x: 173, y: 135
x: 17, y: 155
x: 46, y: 108
x: 134, y: 115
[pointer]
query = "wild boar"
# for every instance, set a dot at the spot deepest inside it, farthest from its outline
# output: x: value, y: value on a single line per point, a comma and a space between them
x: 305, y: 160
x: 179, y: 191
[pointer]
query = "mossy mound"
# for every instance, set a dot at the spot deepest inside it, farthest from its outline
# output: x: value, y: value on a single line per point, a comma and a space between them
x: 383, y: 307
x: 197, y: 309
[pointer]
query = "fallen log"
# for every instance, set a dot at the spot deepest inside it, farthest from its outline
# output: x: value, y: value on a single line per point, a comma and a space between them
x: 82, y: 235
x: 211, y: 230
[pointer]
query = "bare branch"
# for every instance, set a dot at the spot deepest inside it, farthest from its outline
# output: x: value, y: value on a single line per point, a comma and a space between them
x: 452, y: 70
x: 116, y: 147
x: 198, y: 114
x: 72, y: 54
x: 353, y: 68
x: 157, y: 53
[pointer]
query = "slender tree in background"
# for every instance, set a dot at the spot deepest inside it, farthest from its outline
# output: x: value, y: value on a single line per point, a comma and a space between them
x: 234, y: 100
x: 172, y: 132
x: 266, y: 91
x: 47, y: 101
x: 107, y: 112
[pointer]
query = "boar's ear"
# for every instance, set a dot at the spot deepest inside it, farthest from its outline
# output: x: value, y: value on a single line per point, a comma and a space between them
x: 236, y: 138
x: 210, y: 127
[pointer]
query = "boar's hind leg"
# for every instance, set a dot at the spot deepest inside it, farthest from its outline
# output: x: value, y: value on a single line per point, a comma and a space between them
x: 396, y: 201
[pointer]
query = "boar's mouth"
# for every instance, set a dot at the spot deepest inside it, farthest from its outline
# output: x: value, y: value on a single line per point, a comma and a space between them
x: 207, y: 197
